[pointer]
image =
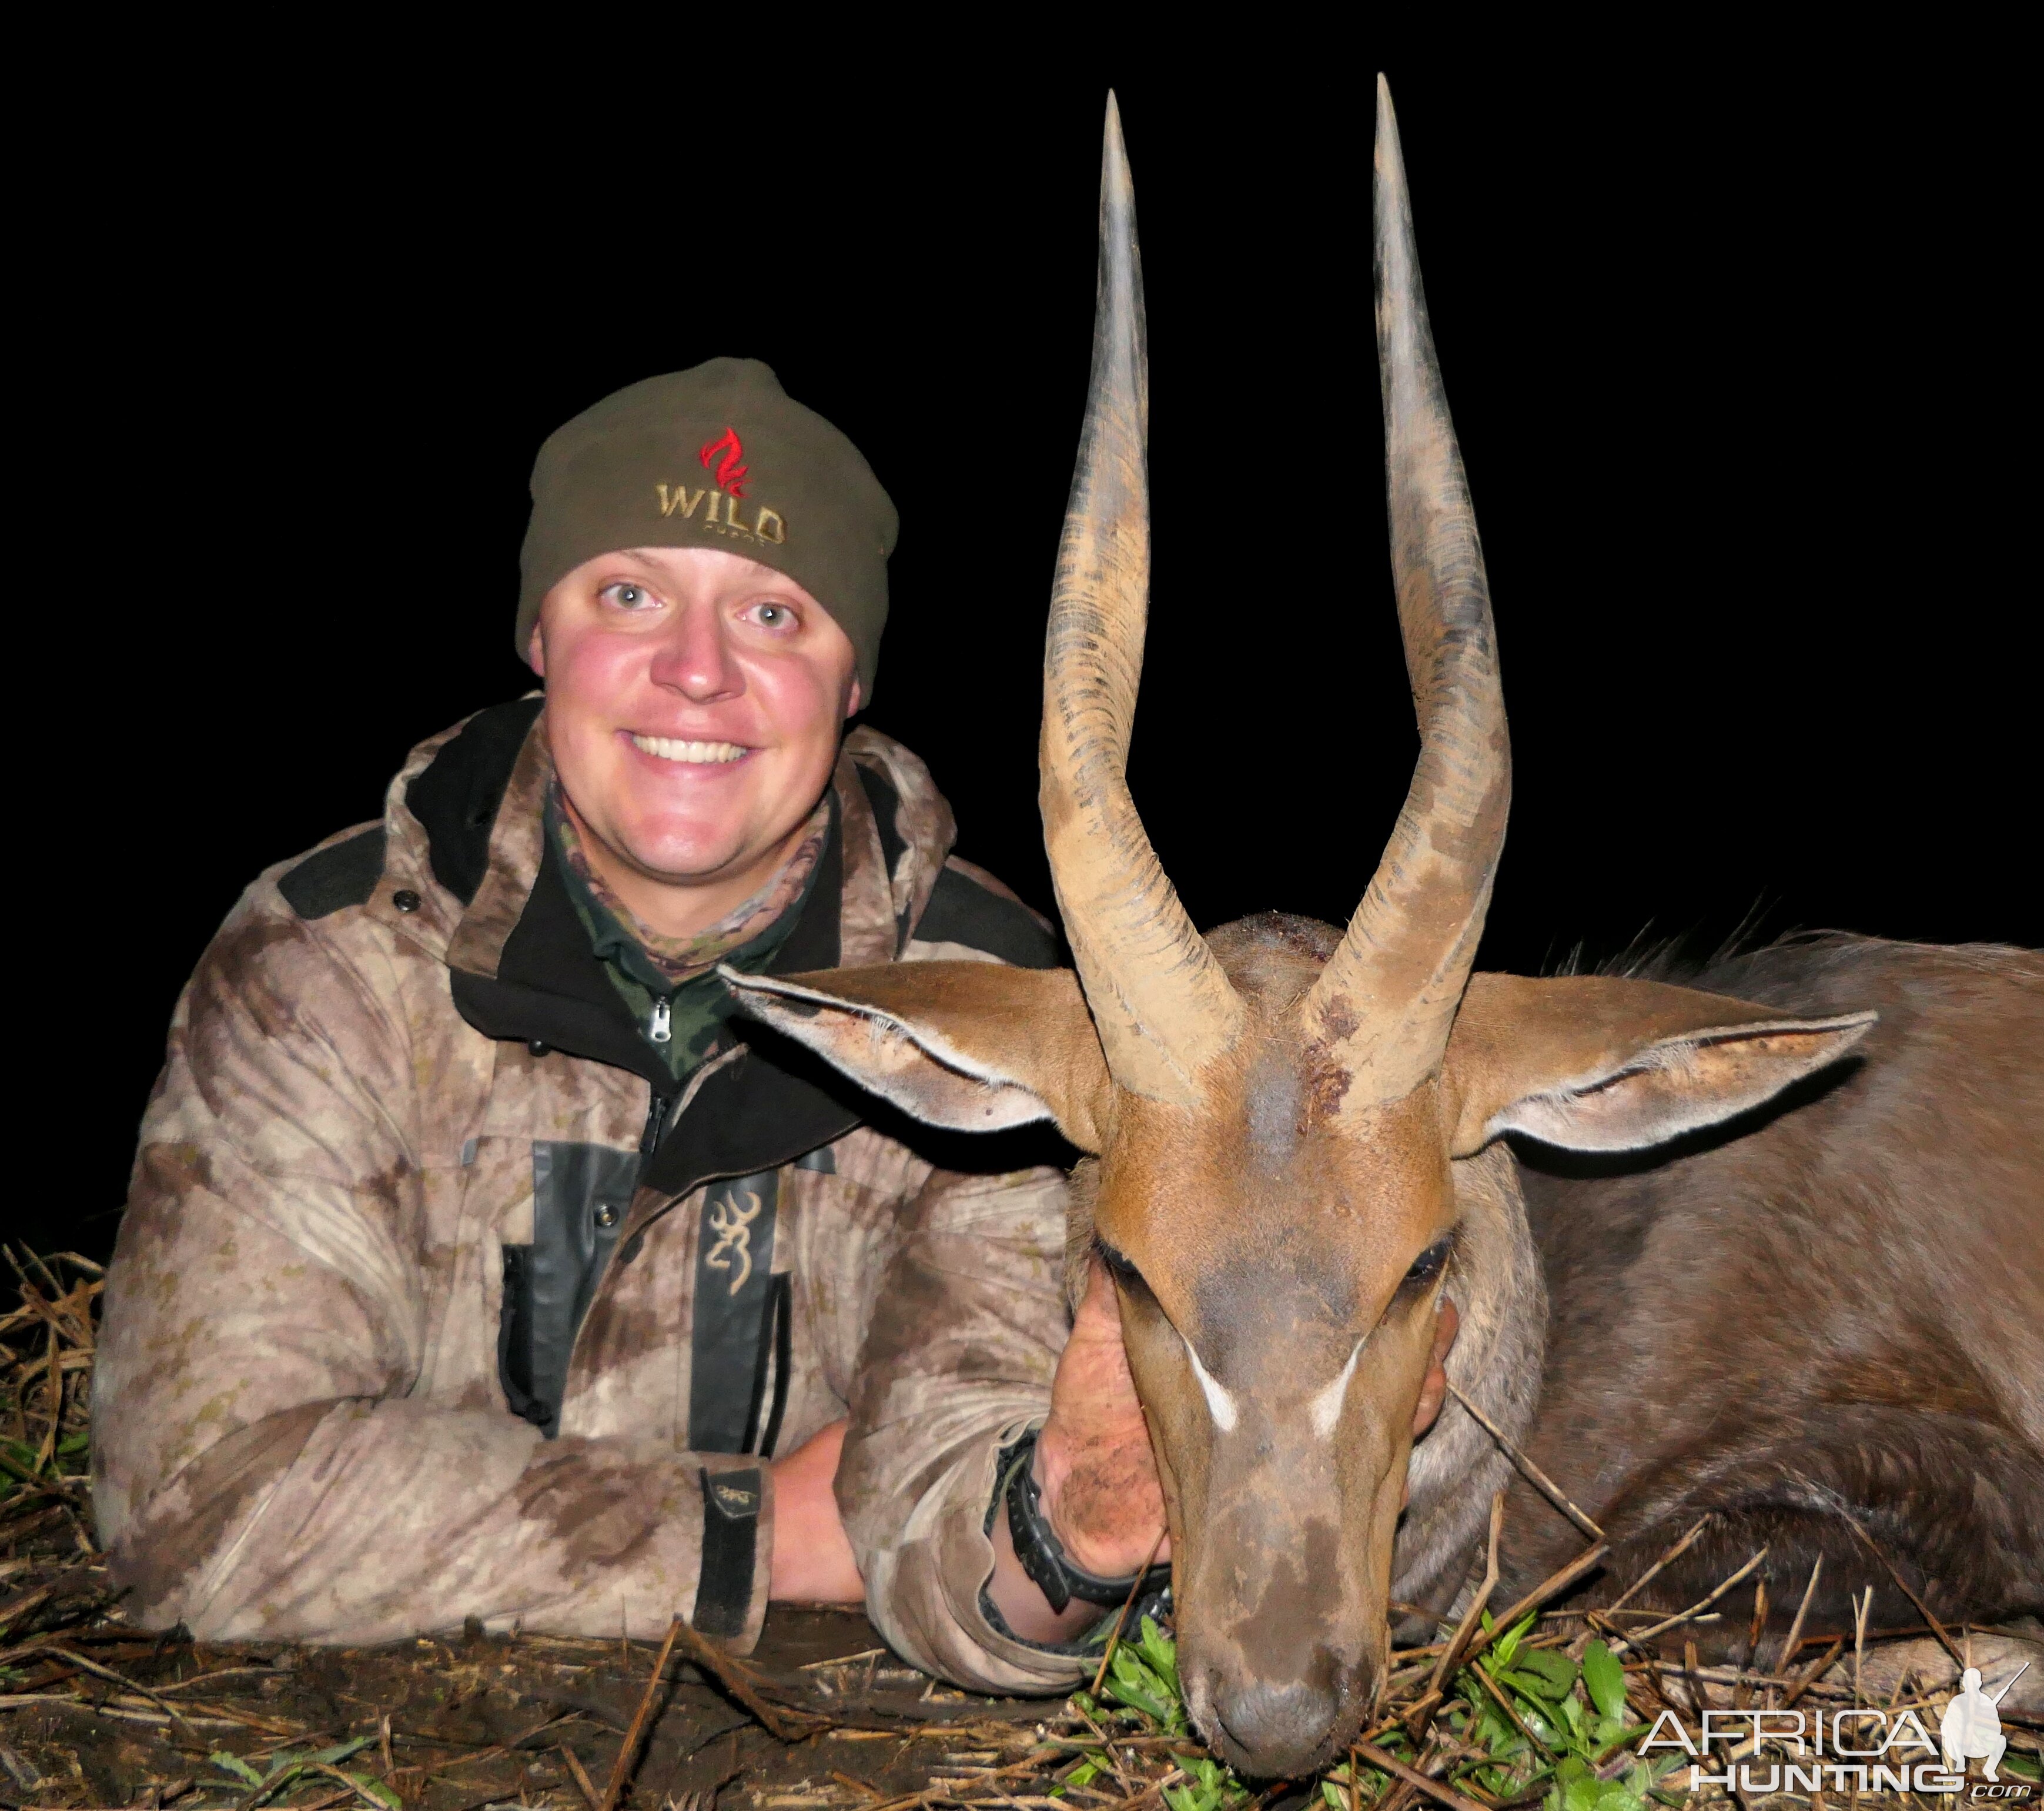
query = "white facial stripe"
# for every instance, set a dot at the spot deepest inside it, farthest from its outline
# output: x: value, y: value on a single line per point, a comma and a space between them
x: 1218, y: 1399
x: 1325, y: 1408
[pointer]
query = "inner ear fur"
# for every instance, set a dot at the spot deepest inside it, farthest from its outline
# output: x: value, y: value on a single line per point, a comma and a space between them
x: 973, y: 1046
x: 1594, y: 1062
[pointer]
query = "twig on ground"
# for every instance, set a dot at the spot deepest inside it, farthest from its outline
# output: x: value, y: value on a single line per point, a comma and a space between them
x: 1452, y: 1655
x: 843, y: 1660
x: 1812, y: 1673
x: 785, y: 1723
x: 1585, y: 1562
x: 1795, y: 1635
x: 1129, y: 1603
x: 635, y: 1733
x: 578, y: 1775
x: 1398, y: 1770
x: 1629, y: 1642
x: 1861, y: 1613
x: 1535, y: 1475
x: 1901, y: 1584
x: 1741, y: 1693
x: 112, y: 1677
x: 355, y: 1788
x: 1654, y: 1571
x: 12, y: 1612
x: 1505, y: 1705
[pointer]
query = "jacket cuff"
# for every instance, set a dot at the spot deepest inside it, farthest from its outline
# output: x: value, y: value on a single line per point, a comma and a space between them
x: 925, y: 1594
x: 736, y: 1561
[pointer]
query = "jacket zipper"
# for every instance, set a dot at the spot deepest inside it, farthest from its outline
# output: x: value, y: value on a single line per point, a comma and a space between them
x: 657, y: 1028
x: 656, y: 1119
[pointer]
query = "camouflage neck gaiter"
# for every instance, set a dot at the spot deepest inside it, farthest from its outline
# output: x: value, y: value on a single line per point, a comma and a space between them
x: 679, y: 961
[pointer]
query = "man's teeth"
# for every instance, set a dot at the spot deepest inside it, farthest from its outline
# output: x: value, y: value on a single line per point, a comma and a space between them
x: 666, y: 748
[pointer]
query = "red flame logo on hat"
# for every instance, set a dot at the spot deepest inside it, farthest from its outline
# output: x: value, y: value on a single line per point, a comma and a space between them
x: 730, y: 473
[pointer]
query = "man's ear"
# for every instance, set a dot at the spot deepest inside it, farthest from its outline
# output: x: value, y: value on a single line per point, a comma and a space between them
x: 974, y: 1046
x: 1591, y: 1063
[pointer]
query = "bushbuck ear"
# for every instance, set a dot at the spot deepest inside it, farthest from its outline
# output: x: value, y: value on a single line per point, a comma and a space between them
x: 1592, y: 1062
x: 974, y: 1046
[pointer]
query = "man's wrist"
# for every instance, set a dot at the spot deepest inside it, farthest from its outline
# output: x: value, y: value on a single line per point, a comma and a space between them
x: 1044, y: 1556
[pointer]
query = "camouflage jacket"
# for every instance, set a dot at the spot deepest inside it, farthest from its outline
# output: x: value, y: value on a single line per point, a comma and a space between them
x: 430, y: 1303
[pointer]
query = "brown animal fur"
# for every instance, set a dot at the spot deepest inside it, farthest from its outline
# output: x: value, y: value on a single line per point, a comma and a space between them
x: 1829, y: 1312
x: 1754, y: 1322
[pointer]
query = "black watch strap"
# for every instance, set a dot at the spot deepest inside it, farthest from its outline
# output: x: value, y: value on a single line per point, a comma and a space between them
x: 1038, y: 1547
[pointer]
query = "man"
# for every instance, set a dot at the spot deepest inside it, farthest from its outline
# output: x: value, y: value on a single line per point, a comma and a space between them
x: 476, y: 1263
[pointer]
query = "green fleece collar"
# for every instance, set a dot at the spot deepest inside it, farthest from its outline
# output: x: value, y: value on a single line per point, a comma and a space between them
x: 695, y: 1011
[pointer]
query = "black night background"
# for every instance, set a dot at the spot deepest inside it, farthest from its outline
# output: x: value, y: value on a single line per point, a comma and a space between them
x: 1738, y: 348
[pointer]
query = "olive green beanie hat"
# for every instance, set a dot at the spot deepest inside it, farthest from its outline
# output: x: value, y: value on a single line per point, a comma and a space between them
x: 718, y: 455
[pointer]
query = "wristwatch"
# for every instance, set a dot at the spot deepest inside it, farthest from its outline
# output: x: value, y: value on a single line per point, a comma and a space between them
x: 1042, y: 1556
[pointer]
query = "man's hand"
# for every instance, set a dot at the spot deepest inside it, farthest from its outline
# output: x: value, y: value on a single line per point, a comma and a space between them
x: 1093, y: 1460
x: 1095, y: 1469
x: 812, y: 1561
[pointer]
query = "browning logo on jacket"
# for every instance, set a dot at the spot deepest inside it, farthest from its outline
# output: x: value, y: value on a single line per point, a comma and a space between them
x: 436, y: 1297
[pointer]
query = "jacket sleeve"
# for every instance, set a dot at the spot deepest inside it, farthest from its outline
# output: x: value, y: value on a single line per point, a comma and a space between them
x: 966, y: 1330
x: 266, y: 1464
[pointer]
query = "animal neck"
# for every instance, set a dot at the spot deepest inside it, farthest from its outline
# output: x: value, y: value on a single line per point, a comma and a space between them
x: 1495, y: 1362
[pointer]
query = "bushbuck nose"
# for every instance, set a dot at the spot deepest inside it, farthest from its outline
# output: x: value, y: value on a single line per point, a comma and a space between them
x: 1279, y: 1729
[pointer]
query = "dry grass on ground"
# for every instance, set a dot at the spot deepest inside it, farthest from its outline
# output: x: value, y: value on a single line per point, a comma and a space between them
x: 1536, y: 1708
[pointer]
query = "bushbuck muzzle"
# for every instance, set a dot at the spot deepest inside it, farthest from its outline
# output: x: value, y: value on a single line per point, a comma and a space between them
x: 1293, y: 1127
x: 1301, y: 1301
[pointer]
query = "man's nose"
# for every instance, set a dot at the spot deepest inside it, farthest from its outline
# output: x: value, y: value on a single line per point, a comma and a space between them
x: 694, y: 657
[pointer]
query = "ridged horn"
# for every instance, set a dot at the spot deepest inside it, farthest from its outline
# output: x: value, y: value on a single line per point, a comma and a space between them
x: 1162, y: 1006
x: 1382, y: 1008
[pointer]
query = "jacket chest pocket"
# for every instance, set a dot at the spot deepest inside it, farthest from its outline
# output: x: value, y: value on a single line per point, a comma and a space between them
x: 580, y: 1195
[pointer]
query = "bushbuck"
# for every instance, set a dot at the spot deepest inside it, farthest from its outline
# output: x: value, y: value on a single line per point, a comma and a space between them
x: 1766, y: 1248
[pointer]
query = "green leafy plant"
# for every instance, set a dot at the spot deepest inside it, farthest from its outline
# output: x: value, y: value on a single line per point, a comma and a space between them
x: 1531, y: 1715
x: 1142, y: 1683
x: 1542, y: 1716
x: 293, y: 1762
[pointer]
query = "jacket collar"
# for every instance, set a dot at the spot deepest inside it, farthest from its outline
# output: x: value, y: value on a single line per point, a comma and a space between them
x: 466, y: 818
x: 467, y: 814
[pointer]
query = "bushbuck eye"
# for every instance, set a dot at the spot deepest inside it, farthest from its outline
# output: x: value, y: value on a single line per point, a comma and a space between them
x: 1123, y: 1272
x: 1428, y: 1265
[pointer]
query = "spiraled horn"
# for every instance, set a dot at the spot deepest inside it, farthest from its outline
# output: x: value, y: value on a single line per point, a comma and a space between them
x: 1163, y: 1008
x: 1382, y: 1008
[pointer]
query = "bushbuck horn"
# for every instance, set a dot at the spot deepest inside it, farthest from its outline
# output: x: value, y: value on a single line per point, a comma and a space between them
x: 1163, y: 1007
x: 1382, y: 1008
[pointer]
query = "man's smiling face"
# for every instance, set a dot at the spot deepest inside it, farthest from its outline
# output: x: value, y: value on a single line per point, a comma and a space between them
x: 693, y: 702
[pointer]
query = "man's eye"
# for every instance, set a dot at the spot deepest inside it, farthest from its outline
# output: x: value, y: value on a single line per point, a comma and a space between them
x: 628, y: 596
x: 773, y: 616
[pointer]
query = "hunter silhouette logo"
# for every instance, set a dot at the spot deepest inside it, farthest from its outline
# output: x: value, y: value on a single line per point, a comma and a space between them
x: 730, y: 473
x: 1971, y: 1728
x: 721, y: 517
